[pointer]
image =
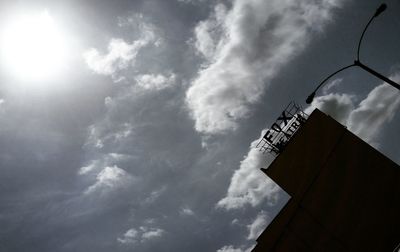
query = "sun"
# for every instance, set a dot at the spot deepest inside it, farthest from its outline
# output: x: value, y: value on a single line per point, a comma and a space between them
x: 32, y: 47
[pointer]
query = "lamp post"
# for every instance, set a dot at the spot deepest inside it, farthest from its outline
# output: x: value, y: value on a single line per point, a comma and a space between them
x: 357, y: 62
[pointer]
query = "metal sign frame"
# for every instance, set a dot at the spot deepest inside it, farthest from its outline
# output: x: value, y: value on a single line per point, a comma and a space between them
x: 282, y: 130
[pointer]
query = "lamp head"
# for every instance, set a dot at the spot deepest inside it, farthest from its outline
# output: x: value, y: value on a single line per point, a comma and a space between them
x: 310, y: 98
x: 380, y: 9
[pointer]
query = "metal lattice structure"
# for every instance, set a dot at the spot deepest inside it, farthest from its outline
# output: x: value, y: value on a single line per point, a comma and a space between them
x: 279, y: 134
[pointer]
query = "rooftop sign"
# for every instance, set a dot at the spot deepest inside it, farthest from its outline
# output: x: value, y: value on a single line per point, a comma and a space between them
x: 279, y: 134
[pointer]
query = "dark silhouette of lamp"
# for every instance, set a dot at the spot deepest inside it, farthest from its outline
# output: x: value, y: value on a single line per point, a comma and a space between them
x: 357, y: 62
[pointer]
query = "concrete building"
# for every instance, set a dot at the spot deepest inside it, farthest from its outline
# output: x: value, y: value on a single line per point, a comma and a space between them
x: 345, y: 195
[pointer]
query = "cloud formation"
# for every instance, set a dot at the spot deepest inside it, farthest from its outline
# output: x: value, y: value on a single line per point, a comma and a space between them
x: 144, y: 234
x: 244, y: 48
x: 109, y: 179
x: 125, y: 160
x: 129, y: 236
x: 151, y: 233
x: 120, y: 54
x: 258, y: 225
x: 231, y: 248
x: 248, y: 185
x: 186, y: 211
x: 378, y: 108
x: 367, y: 118
x: 155, y: 81
x: 339, y: 106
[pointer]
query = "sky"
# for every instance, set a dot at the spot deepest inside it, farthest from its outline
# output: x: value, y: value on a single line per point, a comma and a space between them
x: 131, y: 125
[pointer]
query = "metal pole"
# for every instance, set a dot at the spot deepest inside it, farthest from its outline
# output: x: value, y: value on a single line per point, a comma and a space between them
x: 380, y: 76
x: 310, y: 98
x: 357, y: 62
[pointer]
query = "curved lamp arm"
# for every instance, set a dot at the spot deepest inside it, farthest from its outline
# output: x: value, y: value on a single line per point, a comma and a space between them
x: 311, y: 96
x: 357, y: 62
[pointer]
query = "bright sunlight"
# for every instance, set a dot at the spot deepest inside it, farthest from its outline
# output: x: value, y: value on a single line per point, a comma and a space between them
x: 32, y: 47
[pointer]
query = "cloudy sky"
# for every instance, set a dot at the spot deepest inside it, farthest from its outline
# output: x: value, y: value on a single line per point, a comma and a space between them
x: 131, y: 125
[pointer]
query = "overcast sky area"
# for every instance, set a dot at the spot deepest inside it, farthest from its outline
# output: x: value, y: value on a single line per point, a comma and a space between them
x: 131, y: 125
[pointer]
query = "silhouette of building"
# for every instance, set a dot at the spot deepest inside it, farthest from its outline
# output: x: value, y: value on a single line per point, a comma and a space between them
x: 345, y: 195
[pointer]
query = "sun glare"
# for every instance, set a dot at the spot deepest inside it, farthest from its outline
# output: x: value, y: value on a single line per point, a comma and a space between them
x: 32, y: 48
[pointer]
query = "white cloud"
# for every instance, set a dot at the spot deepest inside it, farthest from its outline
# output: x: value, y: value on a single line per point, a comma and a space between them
x: 86, y: 169
x: 248, y: 185
x: 155, y: 81
x: 258, y: 226
x: 209, y: 33
x: 121, y: 54
x: 230, y: 248
x: 338, y: 106
x: 110, y: 179
x: 151, y: 233
x: 111, y: 132
x: 98, y: 164
x: 373, y: 112
x: 369, y: 116
x: 142, y: 235
x: 245, y: 47
x: 129, y: 237
x: 235, y: 222
x: 186, y: 211
x: 331, y: 85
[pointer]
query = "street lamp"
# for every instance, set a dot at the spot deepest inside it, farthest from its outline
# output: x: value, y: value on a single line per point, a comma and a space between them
x: 357, y: 62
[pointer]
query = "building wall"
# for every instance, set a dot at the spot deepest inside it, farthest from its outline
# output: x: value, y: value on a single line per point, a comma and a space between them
x: 345, y: 195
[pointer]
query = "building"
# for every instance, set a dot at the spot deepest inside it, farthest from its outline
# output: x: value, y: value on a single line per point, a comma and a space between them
x: 345, y: 195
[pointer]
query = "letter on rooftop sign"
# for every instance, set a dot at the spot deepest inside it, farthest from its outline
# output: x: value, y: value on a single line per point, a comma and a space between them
x: 279, y: 134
